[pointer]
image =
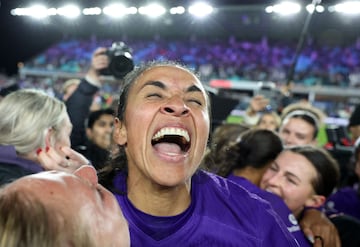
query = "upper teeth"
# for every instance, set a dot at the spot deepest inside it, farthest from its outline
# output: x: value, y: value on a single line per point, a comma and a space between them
x: 172, y: 131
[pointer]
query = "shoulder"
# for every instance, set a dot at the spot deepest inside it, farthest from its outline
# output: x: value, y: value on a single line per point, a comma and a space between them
x: 10, y: 172
x: 231, y: 204
x: 208, y: 185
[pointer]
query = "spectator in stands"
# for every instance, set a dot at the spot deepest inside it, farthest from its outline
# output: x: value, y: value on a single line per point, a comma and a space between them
x: 33, y: 122
x: 245, y: 161
x: 164, y: 197
x: 99, y: 126
x: 60, y: 209
x: 269, y: 120
x: 300, y: 124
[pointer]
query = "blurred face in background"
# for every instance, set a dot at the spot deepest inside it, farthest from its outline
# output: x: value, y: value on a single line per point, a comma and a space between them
x: 268, y: 121
x: 296, y: 131
x: 101, y: 132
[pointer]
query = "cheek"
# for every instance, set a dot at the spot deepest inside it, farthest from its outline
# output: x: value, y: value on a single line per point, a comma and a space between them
x: 264, y: 180
x: 63, y: 140
x: 295, y: 197
x: 205, y: 120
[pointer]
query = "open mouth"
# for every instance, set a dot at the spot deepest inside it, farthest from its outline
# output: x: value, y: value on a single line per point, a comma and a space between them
x: 177, y: 136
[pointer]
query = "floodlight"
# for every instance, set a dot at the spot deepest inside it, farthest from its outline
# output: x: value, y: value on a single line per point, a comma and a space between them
x: 200, y: 9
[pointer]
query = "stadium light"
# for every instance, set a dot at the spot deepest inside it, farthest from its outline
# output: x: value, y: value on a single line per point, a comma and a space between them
x: 38, y: 11
x: 69, y: 11
x: 115, y: 10
x: 319, y: 8
x: 284, y: 8
x: 92, y: 11
x: 349, y: 7
x: 152, y: 10
x: 201, y: 9
x: 179, y: 10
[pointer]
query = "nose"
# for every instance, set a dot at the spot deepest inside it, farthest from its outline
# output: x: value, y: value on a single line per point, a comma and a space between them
x: 175, y: 106
x: 286, y: 138
x: 88, y: 173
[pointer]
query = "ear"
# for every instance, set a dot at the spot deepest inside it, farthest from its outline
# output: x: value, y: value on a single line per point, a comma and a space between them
x: 88, y: 133
x: 315, y: 201
x: 120, y: 133
x: 48, y: 137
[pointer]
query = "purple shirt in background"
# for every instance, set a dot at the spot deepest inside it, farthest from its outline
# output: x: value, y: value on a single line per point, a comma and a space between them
x: 278, y: 205
x: 345, y: 200
x: 221, y: 214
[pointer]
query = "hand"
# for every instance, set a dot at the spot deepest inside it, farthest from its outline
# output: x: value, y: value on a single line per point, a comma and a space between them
x: 319, y: 229
x: 257, y: 103
x: 68, y: 161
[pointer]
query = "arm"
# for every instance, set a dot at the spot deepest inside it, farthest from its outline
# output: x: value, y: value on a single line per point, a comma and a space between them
x: 78, y: 104
x: 315, y: 223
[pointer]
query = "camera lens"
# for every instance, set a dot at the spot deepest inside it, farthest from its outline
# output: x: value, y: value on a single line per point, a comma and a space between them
x: 121, y: 64
x: 120, y: 60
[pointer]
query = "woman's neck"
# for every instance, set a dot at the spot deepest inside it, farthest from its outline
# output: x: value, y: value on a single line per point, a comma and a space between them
x: 30, y: 156
x: 254, y: 175
x: 159, y: 200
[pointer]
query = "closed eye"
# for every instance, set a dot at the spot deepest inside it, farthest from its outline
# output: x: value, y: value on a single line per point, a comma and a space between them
x: 198, y: 102
x: 292, y: 181
x: 154, y: 95
x: 273, y: 168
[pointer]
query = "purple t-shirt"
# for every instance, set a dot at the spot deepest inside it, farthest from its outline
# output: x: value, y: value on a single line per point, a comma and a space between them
x: 345, y: 200
x: 278, y: 205
x: 221, y: 214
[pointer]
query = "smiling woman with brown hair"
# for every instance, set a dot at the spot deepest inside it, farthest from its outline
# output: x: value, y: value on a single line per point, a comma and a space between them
x: 162, y: 130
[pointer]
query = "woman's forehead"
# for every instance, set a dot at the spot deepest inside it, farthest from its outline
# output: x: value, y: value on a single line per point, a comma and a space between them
x: 168, y: 72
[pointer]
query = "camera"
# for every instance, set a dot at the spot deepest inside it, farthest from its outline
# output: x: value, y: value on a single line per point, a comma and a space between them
x: 120, y: 60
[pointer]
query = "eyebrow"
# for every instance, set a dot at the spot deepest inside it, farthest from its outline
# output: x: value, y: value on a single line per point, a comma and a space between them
x: 159, y: 84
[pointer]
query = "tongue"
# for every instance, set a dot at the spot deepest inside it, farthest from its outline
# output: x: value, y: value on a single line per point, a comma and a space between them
x: 170, y: 148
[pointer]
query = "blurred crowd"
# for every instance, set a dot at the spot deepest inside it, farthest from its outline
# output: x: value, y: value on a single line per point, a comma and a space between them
x: 221, y: 59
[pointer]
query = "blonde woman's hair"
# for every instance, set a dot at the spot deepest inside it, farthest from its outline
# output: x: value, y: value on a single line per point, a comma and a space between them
x: 25, y: 117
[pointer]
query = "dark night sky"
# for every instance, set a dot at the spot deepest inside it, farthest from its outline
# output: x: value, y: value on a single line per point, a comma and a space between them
x: 22, y: 38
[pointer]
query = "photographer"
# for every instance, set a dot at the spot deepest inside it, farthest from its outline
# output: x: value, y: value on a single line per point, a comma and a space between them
x: 115, y: 61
